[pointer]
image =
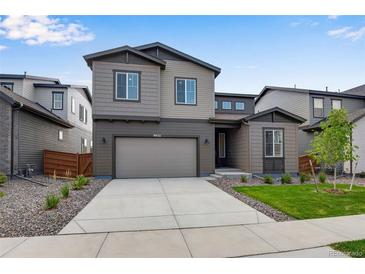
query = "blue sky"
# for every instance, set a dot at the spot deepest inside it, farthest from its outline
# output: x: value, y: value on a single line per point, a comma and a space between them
x: 252, y: 51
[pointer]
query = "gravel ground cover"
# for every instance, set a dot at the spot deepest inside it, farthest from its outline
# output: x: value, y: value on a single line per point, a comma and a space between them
x: 22, y: 210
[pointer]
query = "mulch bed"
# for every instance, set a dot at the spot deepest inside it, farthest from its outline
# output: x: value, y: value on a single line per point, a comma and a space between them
x: 22, y: 210
x: 227, y: 186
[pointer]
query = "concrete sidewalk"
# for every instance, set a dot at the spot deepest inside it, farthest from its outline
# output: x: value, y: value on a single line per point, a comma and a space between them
x: 225, y: 241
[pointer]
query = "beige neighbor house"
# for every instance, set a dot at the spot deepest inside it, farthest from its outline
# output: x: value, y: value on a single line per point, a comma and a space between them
x: 156, y: 114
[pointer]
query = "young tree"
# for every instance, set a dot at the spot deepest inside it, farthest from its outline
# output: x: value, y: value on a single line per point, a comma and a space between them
x: 333, y: 144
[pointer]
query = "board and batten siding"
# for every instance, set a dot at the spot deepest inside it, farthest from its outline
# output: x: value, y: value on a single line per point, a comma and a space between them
x: 238, y: 150
x: 31, y: 143
x: 103, y: 90
x: 205, y: 91
x: 257, y: 144
x: 5, y: 136
x: 104, y: 130
x: 294, y: 102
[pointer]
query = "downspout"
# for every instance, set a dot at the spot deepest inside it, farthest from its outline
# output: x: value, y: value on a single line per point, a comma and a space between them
x: 15, y: 107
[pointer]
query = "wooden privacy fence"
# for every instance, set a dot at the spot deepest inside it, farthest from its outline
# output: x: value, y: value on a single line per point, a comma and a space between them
x: 304, y: 165
x: 66, y: 164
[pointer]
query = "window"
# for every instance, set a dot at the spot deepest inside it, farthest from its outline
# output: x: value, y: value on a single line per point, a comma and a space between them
x: 336, y: 104
x: 73, y: 105
x: 57, y: 99
x: 8, y: 85
x: 240, y: 105
x: 226, y: 105
x: 185, y: 91
x: 318, y: 107
x: 91, y: 143
x: 83, y: 145
x: 127, y: 86
x: 83, y: 114
x: 216, y: 104
x: 60, y: 135
x: 222, y: 145
x: 273, y: 143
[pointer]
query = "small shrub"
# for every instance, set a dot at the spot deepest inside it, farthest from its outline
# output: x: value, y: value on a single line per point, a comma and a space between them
x: 77, y: 185
x: 65, y: 191
x: 3, y: 178
x: 51, y: 201
x: 84, y: 180
x: 286, y: 178
x: 362, y: 174
x: 268, y: 179
x: 322, y: 177
x: 303, y: 177
x: 2, y: 194
x: 244, y: 179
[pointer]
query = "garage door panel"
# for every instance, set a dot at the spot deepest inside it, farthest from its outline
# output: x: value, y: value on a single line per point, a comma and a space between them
x: 155, y: 157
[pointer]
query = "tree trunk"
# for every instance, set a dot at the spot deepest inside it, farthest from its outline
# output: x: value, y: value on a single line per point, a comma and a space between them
x: 334, y: 177
x: 314, y: 175
x: 353, y: 176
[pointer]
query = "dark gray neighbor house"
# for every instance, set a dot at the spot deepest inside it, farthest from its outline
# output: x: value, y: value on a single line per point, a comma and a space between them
x: 156, y: 114
x: 40, y: 113
x: 314, y: 106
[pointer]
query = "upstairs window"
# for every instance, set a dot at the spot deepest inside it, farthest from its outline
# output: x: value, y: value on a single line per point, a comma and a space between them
x: 8, y: 85
x: 60, y: 135
x: 336, y: 104
x: 83, y: 114
x: 57, y: 100
x: 216, y: 104
x: 226, y: 105
x: 73, y: 105
x: 185, y: 91
x: 273, y: 143
x: 127, y: 86
x: 83, y: 145
x: 318, y: 107
x: 240, y: 105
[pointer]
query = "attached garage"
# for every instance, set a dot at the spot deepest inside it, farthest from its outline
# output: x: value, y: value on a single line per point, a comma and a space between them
x: 144, y: 157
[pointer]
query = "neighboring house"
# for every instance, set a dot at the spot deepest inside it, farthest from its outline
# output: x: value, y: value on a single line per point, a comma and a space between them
x: 155, y: 114
x: 313, y: 105
x: 72, y: 131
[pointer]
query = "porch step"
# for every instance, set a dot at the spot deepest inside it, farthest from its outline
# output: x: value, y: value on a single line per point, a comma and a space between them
x: 236, y: 174
x: 216, y: 176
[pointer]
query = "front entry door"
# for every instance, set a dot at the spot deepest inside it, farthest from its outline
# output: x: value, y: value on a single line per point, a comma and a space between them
x: 220, y: 149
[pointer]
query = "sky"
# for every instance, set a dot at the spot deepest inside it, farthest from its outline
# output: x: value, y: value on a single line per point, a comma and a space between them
x: 253, y: 51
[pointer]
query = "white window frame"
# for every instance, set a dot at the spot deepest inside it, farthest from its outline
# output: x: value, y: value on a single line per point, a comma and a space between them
x: 84, y: 114
x: 222, y: 150
x: 60, y: 135
x: 53, y: 100
x: 126, y: 73
x: 337, y: 100
x: 216, y: 104
x: 227, y: 102
x: 273, y: 130
x: 239, y: 102
x: 314, y: 99
x: 73, y: 105
x: 83, y: 145
x: 186, y: 91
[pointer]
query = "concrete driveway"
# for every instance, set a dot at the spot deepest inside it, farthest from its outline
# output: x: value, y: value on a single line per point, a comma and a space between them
x: 155, y: 204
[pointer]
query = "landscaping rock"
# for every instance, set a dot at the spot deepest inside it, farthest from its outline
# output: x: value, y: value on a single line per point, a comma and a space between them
x: 22, y: 210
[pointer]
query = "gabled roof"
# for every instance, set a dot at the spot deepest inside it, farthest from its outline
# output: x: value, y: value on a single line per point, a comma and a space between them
x: 309, y: 91
x: 26, y: 76
x: 90, y: 57
x: 238, y: 95
x: 276, y: 109
x: 19, y: 101
x: 359, y: 90
x: 84, y: 88
x: 188, y: 57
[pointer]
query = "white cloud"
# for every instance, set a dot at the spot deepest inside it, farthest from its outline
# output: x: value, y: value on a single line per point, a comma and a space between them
x: 347, y: 33
x: 332, y: 17
x: 38, y: 30
x: 2, y: 47
x: 304, y: 23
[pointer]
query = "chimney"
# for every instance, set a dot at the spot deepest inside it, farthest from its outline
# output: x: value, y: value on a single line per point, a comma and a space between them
x: 25, y: 73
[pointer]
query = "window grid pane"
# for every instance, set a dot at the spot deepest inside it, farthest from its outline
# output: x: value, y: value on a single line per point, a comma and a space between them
x: 240, y: 105
x: 226, y: 105
x: 57, y: 101
x: 132, y: 86
x: 121, y: 86
x: 336, y: 104
x: 274, y: 143
x: 186, y: 91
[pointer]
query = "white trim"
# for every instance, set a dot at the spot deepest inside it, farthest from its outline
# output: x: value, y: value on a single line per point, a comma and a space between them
x: 60, y: 135
x: 73, y: 105
x: 273, y: 143
x: 222, y: 154
x: 186, y: 91
x: 126, y: 85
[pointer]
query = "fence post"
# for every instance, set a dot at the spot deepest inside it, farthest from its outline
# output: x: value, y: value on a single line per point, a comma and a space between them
x: 77, y: 165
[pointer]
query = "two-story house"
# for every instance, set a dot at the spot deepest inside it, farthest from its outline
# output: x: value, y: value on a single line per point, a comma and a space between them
x: 41, y: 113
x: 155, y: 114
x: 314, y: 106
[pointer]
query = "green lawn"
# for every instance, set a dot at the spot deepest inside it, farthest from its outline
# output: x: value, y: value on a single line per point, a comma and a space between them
x: 302, y: 202
x: 354, y: 249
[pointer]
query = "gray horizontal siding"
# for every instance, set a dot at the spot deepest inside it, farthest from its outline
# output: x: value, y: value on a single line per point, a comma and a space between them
x: 249, y: 105
x: 238, y: 151
x: 36, y: 134
x: 103, y: 162
x: 5, y: 136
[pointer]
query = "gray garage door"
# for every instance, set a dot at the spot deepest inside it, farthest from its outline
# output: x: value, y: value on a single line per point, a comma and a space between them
x: 155, y: 157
